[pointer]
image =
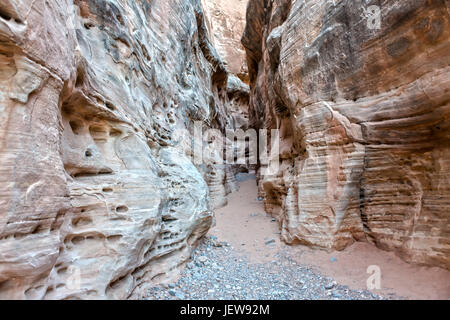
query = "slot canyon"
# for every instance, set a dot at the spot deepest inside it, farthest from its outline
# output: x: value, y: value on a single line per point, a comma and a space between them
x: 101, y: 196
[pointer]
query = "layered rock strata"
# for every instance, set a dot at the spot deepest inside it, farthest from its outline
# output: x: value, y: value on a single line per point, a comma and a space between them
x: 97, y: 194
x: 226, y: 22
x: 362, y: 105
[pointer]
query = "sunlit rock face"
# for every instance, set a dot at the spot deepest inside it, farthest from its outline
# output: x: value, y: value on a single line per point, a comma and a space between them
x: 97, y: 194
x: 363, y: 112
x: 226, y: 21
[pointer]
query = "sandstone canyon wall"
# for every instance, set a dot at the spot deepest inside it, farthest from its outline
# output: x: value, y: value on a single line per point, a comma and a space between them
x: 226, y: 21
x: 97, y: 193
x: 363, y: 115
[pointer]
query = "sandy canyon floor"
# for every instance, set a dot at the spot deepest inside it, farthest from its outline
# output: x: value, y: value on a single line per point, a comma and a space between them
x: 243, y: 258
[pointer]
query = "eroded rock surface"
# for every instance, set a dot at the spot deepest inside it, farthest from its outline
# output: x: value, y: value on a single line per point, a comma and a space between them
x: 226, y: 20
x: 97, y: 193
x: 363, y: 115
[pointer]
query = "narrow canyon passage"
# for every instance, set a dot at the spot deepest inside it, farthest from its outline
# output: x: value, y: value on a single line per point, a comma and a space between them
x: 243, y: 258
x: 244, y: 224
x: 113, y: 179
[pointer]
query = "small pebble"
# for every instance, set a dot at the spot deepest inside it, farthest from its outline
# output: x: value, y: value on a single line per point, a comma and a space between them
x: 330, y: 286
x: 172, y: 292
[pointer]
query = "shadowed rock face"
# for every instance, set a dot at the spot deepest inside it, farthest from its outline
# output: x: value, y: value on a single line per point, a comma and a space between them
x: 363, y: 115
x: 97, y: 194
